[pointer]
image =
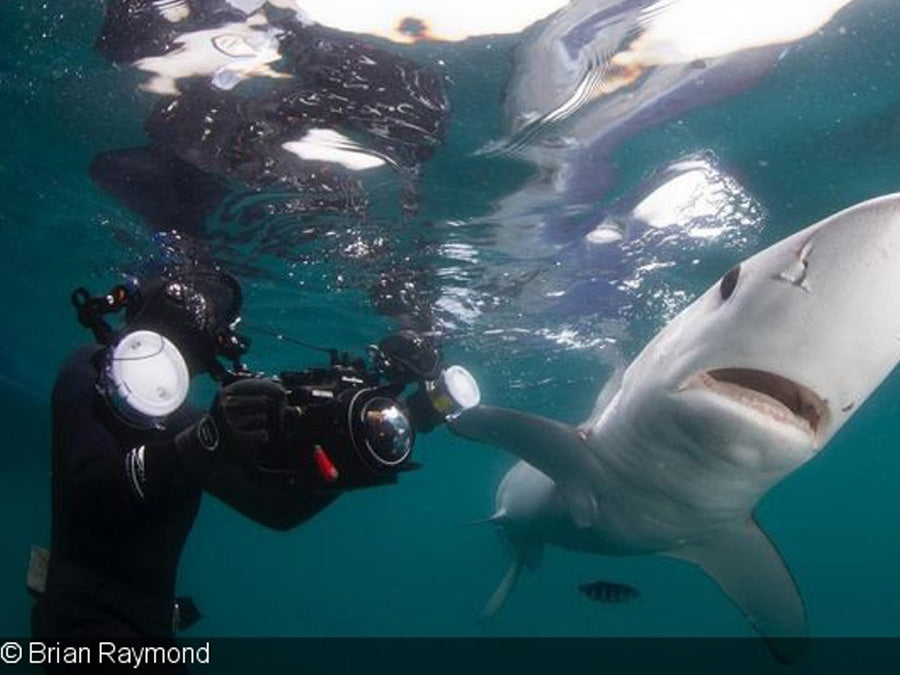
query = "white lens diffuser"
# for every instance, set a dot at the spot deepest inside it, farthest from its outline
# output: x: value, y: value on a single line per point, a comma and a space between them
x: 462, y: 387
x: 149, y: 377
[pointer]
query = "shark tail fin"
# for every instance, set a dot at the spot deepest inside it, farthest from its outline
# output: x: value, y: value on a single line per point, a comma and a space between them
x: 507, y: 584
x: 524, y: 553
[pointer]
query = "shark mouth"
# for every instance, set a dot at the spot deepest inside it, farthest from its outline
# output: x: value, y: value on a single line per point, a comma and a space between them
x: 776, y: 397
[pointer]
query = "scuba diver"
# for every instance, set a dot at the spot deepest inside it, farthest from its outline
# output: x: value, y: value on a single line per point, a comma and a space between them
x: 131, y: 456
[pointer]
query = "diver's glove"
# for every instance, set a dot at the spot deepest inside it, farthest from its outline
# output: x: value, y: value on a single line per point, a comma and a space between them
x: 244, y: 417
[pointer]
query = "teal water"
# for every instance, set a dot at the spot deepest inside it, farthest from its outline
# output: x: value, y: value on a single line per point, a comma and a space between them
x: 819, y: 133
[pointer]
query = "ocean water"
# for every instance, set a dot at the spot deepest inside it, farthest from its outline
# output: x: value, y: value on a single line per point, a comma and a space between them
x: 816, y: 132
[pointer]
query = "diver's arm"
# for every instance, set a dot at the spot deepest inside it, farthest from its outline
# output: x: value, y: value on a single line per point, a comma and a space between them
x: 275, y: 507
x: 146, y: 476
x: 225, y: 476
x: 219, y: 449
x: 128, y: 478
x: 98, y: 466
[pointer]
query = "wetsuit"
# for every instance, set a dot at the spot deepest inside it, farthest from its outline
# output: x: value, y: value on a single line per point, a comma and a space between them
x: 122, y: 509
x: 124, y: 501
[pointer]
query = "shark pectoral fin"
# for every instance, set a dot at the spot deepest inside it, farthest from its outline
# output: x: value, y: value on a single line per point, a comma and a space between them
x: 504, y: 589
x: 553, y: 448
x: 748, y: 568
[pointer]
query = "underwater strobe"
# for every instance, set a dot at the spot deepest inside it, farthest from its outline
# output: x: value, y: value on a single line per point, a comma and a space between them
x: 144, y: 378
x: 454, y: 392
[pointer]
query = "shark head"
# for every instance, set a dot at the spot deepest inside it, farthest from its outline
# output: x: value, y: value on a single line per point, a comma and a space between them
x: 787, y: 345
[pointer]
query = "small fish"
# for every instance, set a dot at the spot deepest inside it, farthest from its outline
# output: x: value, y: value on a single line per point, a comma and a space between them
x: 609, y: 592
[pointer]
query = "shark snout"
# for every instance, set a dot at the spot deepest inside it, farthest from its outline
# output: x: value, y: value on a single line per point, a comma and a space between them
x: 800, y: 334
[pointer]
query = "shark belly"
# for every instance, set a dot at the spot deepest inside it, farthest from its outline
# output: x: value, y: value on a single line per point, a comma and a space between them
x: 668, y: 483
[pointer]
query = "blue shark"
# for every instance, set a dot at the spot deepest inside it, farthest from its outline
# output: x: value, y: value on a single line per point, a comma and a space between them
x: 741, y: 389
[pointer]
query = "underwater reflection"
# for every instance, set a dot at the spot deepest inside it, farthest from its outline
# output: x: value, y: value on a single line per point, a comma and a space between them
x: 256, y: 96
x: 599, y: 71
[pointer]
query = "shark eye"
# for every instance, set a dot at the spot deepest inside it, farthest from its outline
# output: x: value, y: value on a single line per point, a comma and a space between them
x: 729, y: 282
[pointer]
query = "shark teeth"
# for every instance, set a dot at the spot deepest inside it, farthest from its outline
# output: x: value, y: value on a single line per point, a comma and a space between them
x: 774, y: 396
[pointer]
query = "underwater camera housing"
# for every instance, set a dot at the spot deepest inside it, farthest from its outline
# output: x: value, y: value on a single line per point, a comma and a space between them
x: 349, y: 423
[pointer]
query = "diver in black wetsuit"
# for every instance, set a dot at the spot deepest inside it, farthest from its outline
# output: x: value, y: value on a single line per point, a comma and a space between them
x: 130, y: 457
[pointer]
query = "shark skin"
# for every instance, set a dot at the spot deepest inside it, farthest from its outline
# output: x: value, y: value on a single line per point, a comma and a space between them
x: 741, y: 389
